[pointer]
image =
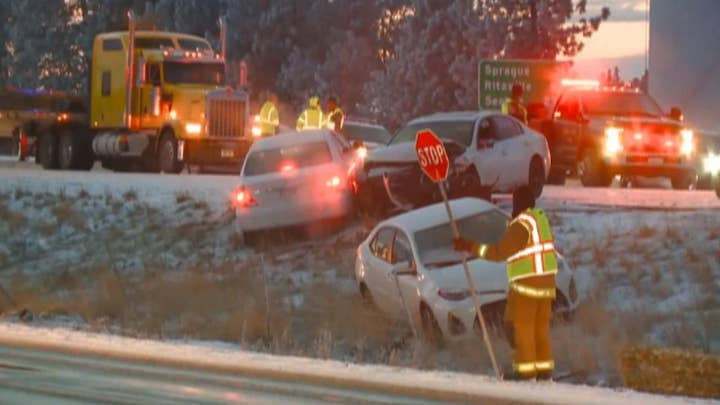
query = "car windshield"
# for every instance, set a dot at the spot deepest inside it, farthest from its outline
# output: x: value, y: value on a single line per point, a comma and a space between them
x: 366, y: 133
x: 626, y: 103
x: 287, y: 157
x: 194, y: 73
x: 434, y: 244
x: 460, y: 132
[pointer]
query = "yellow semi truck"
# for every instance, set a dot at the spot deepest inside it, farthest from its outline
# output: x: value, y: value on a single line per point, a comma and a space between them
x: 158, y: 102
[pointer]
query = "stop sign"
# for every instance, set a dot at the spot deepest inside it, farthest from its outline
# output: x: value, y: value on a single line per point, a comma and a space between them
x: 431, y: 154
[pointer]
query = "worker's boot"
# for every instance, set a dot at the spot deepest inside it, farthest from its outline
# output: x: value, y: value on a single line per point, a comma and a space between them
x: 544, y: 375
x: 515, y: 376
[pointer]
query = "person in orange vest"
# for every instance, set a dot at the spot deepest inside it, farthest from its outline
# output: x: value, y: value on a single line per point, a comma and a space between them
x: 528, y: 248
x: 513, y: 106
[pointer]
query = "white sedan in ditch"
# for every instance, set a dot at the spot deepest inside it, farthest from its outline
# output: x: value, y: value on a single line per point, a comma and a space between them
x: 293, y: 178
x: 417, y: 247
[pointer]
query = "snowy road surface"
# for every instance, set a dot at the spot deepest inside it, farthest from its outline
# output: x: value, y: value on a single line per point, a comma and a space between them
x: 41, y: 377
x: 216, y: 189
x: 41, y: 365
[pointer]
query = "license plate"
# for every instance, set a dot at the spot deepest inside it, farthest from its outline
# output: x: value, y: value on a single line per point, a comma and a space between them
x: 227, y: 153
x: 656, y: 161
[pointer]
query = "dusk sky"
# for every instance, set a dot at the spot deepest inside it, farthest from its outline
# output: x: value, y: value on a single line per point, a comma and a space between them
x: 619, y: 41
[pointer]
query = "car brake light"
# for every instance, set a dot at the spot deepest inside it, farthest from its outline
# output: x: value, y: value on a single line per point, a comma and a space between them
x: 287, y: 166
x: 333, y: 182
x: 243, y: 197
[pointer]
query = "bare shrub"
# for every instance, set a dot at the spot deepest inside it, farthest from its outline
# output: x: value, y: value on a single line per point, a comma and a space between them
x: 130, y: 195
x: 83, y: 194
x: 182, y: 197
x: 14, y: 220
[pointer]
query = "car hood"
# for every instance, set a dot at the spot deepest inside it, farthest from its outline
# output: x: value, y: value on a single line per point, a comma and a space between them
x: 397, y: 153
x: 489, y: 277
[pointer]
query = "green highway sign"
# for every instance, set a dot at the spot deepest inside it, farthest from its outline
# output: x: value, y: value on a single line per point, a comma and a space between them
x: 539, y: 78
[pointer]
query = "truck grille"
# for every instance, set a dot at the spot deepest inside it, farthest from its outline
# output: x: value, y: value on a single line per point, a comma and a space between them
x: 226, y: 116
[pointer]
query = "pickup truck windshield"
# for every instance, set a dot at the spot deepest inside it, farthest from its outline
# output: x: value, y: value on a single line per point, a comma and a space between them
x: 460, y: 132
x: 194, y: 73
x: 622, y: 104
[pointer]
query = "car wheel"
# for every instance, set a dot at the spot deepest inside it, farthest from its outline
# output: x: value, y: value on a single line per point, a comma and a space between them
x: 557, y: 177
x: 470, y: 185
x: 685, y: 181
x: 167, y: 154
x: 592, y: 172
x: 536, y: 176
x: 430, y: 327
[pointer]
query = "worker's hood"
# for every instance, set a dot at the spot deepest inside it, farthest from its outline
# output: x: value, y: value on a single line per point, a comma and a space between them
x: 314, y: 102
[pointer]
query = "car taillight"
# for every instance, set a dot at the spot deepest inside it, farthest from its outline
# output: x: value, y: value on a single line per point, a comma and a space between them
x: 243, y: 197
x: 334, y: 182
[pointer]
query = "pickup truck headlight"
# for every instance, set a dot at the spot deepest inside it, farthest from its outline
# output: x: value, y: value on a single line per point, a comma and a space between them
x: 711, y: 164
x: 613, y: 141
x: 688, y: 145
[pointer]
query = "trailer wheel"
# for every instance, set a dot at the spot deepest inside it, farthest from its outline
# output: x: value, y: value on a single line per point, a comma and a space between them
x: 74, y: 151
x: 17, y: 149
x: 47, y: 151
x: 167, y: 154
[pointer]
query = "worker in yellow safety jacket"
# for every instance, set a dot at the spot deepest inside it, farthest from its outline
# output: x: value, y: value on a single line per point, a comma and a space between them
x: 513, y: 106
x: 527, y: 246
x: 269, y: 116
x: 335, y: 115
x: 311, y: 117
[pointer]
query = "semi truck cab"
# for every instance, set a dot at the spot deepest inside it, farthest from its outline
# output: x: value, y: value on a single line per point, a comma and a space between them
x: 172, y: 110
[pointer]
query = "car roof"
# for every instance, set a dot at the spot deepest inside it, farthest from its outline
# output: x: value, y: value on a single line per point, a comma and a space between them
x: 453, y: 116
x: 362, y: 124
x: 435, y: 214
x: 291, y: 138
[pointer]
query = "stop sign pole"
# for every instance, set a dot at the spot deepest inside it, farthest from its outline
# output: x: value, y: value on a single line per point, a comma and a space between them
x: 434, y: 162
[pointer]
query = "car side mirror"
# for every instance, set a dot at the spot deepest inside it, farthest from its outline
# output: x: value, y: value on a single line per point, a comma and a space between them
x: 403, y: 269
x: 676, y: 114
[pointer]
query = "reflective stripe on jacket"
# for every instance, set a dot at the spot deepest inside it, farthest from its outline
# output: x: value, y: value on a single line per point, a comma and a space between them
x: 269, y: 118
x: 538, y: 257
x: 311, y: 118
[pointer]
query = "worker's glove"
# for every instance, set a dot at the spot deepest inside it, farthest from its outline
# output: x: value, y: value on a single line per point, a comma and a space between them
x: 464, y: 245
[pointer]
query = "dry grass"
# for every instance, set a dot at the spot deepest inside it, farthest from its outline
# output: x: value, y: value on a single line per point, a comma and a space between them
x: 65, y: 215
x: 671, y: 371
x: 645, y: 232
x: 15, y: 221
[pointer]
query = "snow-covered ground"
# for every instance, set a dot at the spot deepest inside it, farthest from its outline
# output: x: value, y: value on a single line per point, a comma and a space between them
x: 159, y: 257
x: 438, y: 385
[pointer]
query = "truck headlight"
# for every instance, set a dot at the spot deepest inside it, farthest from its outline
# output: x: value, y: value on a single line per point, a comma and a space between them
x: 193, y: 128
x: 613, y: 141
x: 711, y: 164
x: 688, y: 145
x: 256, y: 131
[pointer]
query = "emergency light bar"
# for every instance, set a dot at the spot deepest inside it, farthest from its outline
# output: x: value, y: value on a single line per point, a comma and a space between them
x: 579, y: 83
x: 181, y: 54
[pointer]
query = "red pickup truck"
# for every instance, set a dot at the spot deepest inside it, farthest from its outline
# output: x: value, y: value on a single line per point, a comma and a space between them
x: 600, y: 132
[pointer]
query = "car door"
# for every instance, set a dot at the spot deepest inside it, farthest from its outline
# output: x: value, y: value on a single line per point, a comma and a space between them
x: 379, y: 267
x: 402, y: 252
x: 566, y: 130
x: 485, y: 158
x: 514, y: 149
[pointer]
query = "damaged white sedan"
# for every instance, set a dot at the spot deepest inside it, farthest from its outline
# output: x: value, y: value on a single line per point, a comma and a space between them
x: 408, y: 268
